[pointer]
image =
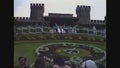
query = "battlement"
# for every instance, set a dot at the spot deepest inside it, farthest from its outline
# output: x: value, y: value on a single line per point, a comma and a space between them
x: 79, y: 7
x: 37, y: 5
x: 82, y: 6
x: 22, y: 18
x: 60, y: 15
x: 97, y: 21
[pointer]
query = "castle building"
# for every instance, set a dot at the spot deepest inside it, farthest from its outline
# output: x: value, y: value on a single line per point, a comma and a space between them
x: 59, y: 23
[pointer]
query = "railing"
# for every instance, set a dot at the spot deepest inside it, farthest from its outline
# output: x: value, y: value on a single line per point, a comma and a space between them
x: 33, y: 30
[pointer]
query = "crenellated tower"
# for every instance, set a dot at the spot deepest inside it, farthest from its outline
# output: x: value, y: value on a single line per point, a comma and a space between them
x: 37, y: 11
x: 83, y: 13
x: 105, y: 19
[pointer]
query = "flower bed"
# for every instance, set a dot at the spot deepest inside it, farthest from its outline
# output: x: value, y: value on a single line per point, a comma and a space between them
x: 59, y: 37
x: 62, y: 48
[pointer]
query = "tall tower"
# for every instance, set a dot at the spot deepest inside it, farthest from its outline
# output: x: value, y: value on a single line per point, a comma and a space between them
x: 37, y: 11
x: 83, y: 13
x: 105, y: 19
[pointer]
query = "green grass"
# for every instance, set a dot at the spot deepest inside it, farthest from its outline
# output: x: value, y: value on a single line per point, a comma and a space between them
x: 26, y: 48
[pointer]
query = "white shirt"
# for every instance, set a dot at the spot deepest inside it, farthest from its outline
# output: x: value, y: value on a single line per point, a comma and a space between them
x: 89, y: 64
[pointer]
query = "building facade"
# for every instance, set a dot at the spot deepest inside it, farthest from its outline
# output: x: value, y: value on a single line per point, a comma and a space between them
x: 59, y: 23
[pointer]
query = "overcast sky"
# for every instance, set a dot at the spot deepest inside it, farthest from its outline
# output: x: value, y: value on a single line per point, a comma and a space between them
x: 98, y: 7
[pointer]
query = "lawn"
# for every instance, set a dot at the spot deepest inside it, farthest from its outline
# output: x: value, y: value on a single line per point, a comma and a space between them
x: 26, y: 48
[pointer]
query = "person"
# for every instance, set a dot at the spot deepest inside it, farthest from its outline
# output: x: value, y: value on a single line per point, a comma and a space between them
x: 59, y: 62
x: 101, y: 65
x: 89, y: 64
x: 22, y: 63
x: 39, y: 63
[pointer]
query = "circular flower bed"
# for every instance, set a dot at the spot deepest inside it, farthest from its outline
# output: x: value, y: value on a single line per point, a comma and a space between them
x: 71, y: 51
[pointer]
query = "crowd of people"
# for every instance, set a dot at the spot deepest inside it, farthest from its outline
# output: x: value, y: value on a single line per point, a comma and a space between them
x: 58, y: 62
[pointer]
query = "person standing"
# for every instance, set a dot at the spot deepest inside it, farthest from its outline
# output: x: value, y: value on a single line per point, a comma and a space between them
x: 59, y: 63
x: 22, y: 63
x: 89, y: 64
x: 39, y: 63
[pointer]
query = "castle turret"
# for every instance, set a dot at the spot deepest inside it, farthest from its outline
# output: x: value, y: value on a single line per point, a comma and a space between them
x: 83, y: 13
x: 37, y: 11
x: 77, y: 10
x: 105, y: 19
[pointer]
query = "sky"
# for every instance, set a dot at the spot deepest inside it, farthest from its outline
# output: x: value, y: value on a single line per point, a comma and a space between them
x: 98, y: 7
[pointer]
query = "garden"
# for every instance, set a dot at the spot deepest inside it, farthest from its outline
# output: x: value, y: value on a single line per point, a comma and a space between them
x: 72, y: 47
